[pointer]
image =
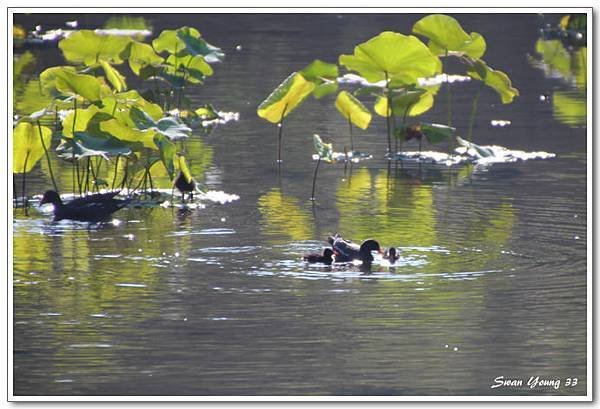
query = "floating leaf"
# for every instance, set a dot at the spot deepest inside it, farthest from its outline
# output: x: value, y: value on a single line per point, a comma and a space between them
x: 27, y: 145
x: 352, y: 109
x: 89, y: 48
x: 403, y: 58
x: 495, y: 79
x: 447, y: 36
x: 185, y: 171
x: 411, y: 103
x: 481, y: 151
x: 324, y: 150
x: 167, y: 153
x: 285, y: 98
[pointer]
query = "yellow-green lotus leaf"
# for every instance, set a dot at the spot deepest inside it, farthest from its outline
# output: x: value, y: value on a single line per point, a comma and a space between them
x: 285, y: 98
x: 27, y: 145
x: 352, y: 109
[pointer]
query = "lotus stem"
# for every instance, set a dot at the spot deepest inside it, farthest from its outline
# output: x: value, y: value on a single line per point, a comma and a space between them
x: 73, y: 143
x: 312, y: 197
x: 47, y: 157
x: 474, y: 111
x: 351, y: 138
x: 23, y: 196
x: 112, y: 186
x: 388, y: 112
x: 280, y: 126
x: 87, y: 175
x: 125, y: 172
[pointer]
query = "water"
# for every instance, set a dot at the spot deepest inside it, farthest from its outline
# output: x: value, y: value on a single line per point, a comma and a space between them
x: 215, y: 300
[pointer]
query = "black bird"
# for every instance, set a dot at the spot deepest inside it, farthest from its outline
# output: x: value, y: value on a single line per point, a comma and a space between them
x: 184, y: 186
x: 345, y: 250
x: 325, y: 258
x: 391, y: 254
x: 92, y: 208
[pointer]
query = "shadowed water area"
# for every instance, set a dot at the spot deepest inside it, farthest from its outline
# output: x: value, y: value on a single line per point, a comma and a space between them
x: 491, y: 279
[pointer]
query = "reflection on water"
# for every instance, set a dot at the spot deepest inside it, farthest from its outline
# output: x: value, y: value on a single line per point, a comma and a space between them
x: 216, y: 300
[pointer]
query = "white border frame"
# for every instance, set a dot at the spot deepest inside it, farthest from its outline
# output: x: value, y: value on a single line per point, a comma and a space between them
x: 7, y: 224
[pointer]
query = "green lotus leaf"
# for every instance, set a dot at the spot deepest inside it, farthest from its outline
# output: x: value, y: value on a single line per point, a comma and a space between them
x: 114, y: 76
x: 185, y: 171
x: 140, y: 55
x: 48, y: 79
x: 403, y: 58
x: 352, y: 109
x: 87, y: 47
x: 82, y: 120
x: 207, y: 112
x: 168, y: 41
x: 285, y: 98
x: 436, y: 133
x: 125, y: 101
x: 85, y: 144
x: 27, y: 145
x: 323, y: 75
x: 67, y: 82
x: 167, y: 153
x: 416, y: 102
x: 195, y: 45
x: 171, y: 127
x: 191, y: 63
x: 324, y: 150
x: 495, y: 79
x: 446, y: 36
x: 127, y: 134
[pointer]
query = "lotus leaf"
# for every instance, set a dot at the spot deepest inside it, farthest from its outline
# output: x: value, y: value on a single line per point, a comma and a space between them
x: 285, y: 98
x: 323, y: 75
x: 167, y: 152
x: 495, y: 79
x: 114, y: 76
x: 140, y: 55
x: 402, y: 58
x: 27, y: 145
x: 416, y: 102
x: 324, y: 150
x: 352, y: 109
x: 446, y: 36
x: 89, y: 48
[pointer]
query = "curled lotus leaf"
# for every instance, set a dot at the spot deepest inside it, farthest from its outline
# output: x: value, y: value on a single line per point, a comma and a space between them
x: 353, y: 110
x: 285, y: 98
x: 324, y: 150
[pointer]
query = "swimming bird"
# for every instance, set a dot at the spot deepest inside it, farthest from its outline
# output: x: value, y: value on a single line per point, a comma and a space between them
x: 391, y: 254
x: 92, y: 208
x: 184, y: 186
x: 346, y: 250
x: 325, y: 258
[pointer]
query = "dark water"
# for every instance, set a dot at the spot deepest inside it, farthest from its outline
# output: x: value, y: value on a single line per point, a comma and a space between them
x: 215, y: 301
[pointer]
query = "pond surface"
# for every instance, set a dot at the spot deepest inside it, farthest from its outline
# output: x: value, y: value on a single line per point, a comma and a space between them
x: 216, y: 300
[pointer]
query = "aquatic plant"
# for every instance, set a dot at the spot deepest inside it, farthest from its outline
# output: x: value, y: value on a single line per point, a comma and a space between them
x: 354, y: 111
x: 324, y: 151
x: 393, y: 62
x: 447, y: 38
x: 283, y: 100
x: 97, y: 121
